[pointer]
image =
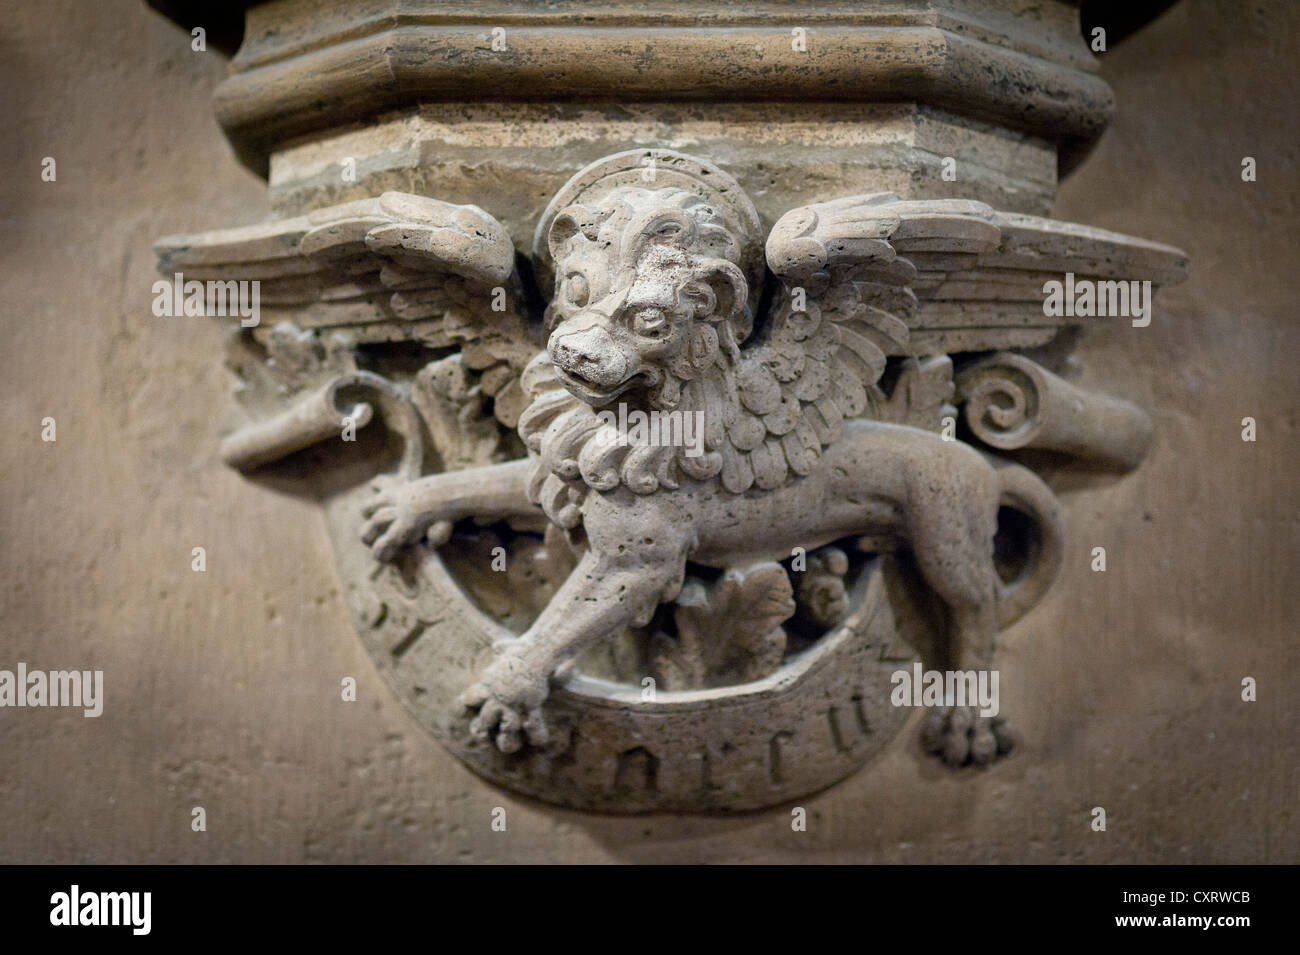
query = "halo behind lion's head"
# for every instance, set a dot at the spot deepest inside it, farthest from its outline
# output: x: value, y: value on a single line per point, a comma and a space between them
x: 659, y: 169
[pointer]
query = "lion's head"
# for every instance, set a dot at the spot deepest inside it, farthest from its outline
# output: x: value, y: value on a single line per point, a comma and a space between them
x: 654, y: 288
x: 649, y: 294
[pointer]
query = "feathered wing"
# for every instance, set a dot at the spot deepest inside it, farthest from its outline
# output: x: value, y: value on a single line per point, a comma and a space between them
x: 396, y: 245
x: 994, y: 299
x: 844, y: 305
x: 394, y: 268
x: 868, y: 277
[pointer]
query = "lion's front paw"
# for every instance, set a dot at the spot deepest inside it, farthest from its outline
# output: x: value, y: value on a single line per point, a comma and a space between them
x: 393, y: 519
x: 960, y: 735
x: 509, y: 697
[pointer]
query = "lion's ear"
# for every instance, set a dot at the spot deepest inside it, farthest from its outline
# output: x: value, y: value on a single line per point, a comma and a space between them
x: 721, y: 292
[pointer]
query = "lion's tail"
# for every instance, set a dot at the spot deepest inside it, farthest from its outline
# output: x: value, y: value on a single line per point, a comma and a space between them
x: 1024, y: 491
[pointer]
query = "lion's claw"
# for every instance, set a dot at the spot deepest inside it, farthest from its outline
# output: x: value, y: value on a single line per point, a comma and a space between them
x: 960, y: 735
x: 509, y: 701
x: 392, y: 522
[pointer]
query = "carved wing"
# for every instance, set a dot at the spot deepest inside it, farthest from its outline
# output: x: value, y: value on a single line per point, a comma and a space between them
x: 843, y: 307
x: 868, y: 277
x: 396, y: 268
x: 410, y: 256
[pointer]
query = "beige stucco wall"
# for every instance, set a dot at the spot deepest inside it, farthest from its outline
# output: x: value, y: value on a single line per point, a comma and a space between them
x: 223, y: 687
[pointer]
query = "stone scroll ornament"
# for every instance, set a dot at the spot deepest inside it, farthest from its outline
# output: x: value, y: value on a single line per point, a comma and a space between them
x: 652, y: 518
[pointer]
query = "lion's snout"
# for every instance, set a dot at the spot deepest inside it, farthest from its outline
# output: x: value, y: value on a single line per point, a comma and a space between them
x: 589, y: 359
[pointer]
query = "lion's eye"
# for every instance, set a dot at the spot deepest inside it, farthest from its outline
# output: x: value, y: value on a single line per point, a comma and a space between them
x: 649, y: 322
x: 576, y: 289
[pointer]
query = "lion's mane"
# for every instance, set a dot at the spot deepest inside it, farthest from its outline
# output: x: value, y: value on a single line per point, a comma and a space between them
x: 575, y: 451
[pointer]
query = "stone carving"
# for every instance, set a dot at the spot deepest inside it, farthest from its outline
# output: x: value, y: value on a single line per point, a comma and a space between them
x: 1010, y: 402
x: 653, y: 308
x: 727, y: 633
x: 700, y: 463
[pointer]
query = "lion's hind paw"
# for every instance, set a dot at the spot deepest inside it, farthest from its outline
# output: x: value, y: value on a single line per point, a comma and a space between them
x: 961, y: 735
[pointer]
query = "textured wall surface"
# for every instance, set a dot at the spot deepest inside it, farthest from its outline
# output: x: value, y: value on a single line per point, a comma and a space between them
x: 222, y: 688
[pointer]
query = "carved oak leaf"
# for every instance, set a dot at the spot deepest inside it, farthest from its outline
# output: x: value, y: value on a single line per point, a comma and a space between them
x: 451, y: 401
x: 728, y: 632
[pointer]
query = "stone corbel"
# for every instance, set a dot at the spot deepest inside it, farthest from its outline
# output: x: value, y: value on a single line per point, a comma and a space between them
x: 576, y: 606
